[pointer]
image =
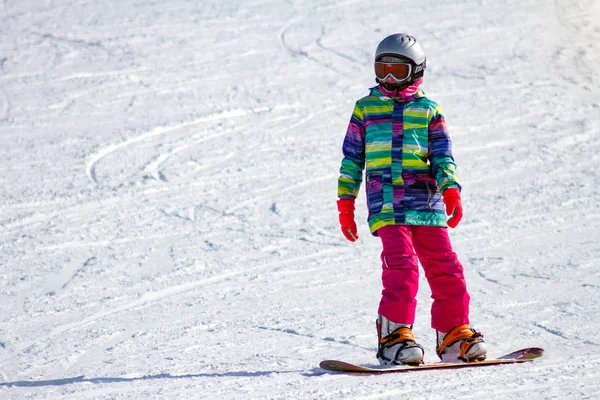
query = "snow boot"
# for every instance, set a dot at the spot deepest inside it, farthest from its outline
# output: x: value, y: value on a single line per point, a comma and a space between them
x: 397, y: 344
x: 461, y: 343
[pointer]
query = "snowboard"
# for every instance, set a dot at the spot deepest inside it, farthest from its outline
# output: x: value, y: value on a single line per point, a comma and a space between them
x: 519, y: 356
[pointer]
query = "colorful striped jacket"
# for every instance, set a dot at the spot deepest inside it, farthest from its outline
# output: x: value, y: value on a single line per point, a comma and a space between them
x: 405, y: 147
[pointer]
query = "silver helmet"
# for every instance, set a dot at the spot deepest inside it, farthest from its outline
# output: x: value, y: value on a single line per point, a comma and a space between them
x: 403, y: 47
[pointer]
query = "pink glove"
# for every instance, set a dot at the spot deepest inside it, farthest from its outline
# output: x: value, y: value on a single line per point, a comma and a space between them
x: 346, y: 209
x: 453, y: 206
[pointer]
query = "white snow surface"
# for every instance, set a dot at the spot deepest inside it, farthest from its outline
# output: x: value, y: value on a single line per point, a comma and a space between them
x: 168, y: 177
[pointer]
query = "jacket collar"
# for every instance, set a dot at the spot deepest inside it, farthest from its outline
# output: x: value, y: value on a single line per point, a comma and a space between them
x: 410, y: 93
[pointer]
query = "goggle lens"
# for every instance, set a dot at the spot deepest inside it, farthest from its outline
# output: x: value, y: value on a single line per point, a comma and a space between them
x: 399, y: 71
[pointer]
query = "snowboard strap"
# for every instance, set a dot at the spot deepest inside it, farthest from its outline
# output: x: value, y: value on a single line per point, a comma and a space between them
x: 465, y: 333
x: 400, y: 335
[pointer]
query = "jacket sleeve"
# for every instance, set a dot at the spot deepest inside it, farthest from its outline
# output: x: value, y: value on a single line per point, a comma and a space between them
x: 442, y: 163
x: 353, y: 162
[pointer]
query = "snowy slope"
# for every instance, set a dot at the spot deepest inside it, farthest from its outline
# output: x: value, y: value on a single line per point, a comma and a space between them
x: 168, y: 175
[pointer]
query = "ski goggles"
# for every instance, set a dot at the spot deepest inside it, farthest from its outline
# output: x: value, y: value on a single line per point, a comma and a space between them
x: 400, y: 71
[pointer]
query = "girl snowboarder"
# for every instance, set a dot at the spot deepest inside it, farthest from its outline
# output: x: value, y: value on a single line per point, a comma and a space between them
x: 399, y: 136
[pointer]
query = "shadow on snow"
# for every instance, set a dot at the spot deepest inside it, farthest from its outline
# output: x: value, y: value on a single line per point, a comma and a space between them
x: 83, y: 379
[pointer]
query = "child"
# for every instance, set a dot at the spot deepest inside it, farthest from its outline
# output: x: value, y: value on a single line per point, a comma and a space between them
x: 400, y: 137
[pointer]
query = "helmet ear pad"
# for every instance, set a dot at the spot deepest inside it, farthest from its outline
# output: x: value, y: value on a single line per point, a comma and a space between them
x: 419, y: 70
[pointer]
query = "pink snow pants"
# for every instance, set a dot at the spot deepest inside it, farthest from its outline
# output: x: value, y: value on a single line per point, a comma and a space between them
x: 403, y: 247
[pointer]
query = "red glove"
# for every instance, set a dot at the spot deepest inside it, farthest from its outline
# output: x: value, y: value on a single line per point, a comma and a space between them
x: 346, y: 209
x: 453, y: 206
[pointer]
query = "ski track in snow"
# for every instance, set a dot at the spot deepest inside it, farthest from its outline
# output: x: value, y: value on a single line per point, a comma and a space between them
x: 173, y: 291
x: 167, y: 215
x: 102, y: 153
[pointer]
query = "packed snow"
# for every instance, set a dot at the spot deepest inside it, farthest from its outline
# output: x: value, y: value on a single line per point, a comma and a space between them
x: 168, y: 178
